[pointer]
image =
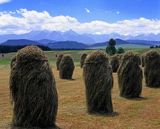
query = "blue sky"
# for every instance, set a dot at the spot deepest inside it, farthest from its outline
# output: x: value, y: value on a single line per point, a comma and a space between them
x: 107, y: 10
x: 82, y: 16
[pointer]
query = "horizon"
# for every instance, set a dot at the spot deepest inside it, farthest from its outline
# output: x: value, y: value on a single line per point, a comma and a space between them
x: 123, y: 17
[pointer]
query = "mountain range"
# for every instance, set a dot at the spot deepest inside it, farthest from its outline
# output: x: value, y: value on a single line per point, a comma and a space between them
x: 73, y: 40
x: 70, y: 35
x: 74, y: 44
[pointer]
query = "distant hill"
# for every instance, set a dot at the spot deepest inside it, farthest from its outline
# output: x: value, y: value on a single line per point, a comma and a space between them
x: 67, y: 45
x: 45, y: 41
x: 144, y: 42
x: 7, y: 49
x: 77, y: 45
x: 50, y: 35
x: 118, y: 42
x: 20, y: 42
x: 73, y: 36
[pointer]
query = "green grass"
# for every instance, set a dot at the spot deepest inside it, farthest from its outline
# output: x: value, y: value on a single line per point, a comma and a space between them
x: 74, y: 53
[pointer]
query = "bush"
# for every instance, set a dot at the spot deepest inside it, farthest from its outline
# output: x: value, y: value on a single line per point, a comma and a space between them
x: 111, y: 50
x: 120, y: 50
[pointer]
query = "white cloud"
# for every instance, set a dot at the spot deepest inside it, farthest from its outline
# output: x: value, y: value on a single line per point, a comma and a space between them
x: 117, y: 12
x: 23, y: 21
x: 87, y: 10
x: 4, y: 1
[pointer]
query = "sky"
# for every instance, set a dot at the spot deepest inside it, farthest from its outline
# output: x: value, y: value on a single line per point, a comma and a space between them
x: 125, y: 17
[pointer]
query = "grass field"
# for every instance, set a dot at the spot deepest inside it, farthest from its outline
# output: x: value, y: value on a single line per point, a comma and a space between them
x: 132, y: 114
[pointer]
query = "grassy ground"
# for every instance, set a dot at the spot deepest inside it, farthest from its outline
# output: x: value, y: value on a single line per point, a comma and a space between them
x: 132, y: 114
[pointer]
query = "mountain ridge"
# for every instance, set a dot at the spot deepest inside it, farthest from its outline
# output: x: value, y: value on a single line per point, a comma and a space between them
x: 74, y: 44
x: 73, y: 36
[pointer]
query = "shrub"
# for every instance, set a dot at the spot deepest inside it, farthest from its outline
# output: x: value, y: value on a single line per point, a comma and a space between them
x: 120, y: 50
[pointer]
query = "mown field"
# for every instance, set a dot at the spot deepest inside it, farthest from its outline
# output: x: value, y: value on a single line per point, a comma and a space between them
x: 132, y: 114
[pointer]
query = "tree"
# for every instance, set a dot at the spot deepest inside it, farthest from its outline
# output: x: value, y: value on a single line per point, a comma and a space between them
x: 111, y: 49
x: 120, y: 50
x: 112, y: 42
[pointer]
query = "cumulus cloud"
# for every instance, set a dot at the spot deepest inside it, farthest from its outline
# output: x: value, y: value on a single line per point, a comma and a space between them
x: 23, y: 21
x: 4, y: 1
x: 87, y: 10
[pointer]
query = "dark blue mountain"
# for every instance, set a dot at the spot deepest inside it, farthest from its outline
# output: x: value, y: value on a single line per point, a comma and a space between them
x: 20, y: 42
x: 45, y: 41
x: 73, y: 36
x: 144, y: 42
x: 74, y: 44
x: 50, y: 35
x: 67, y: 45
x: 118, y: 42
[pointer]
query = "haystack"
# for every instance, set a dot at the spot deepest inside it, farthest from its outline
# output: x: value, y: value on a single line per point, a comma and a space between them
x: 83, y: 57
x: 33, y: 90
x: 66, y: 67
x: 130, y: 76
x: 143, y: 59
x: 114, y: 63
x: 97, y: 74
x: 152, y: 69
x: 13, y: 61
x: 138, y: 59
x: 59, y: 58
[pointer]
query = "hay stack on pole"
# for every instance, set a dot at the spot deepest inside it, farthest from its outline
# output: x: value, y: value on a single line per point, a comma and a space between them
x: 83, y: 57
x: 152, y: 68
x: 130, y: 76
x: 138, y: 59
x: 33, y: 90
x: 97, y: 74
x: 143, y: 59
x: 13, y: 61
x: 59, y: 58
x: 66, y: 67
x: 114, y: 63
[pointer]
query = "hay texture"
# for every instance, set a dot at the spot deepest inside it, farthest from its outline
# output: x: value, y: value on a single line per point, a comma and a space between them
x: 120, y: 56
x: 97, y: 74
x: 59, y: 58
x: 143, y: 59
x: 33, y: 90
x: 114, y: 63
x: 66, y: 67
x: 138, y: 59
x: 83, y: 57
x: 152, y: 69
x: 130, y: 76
x: 13, y: 62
